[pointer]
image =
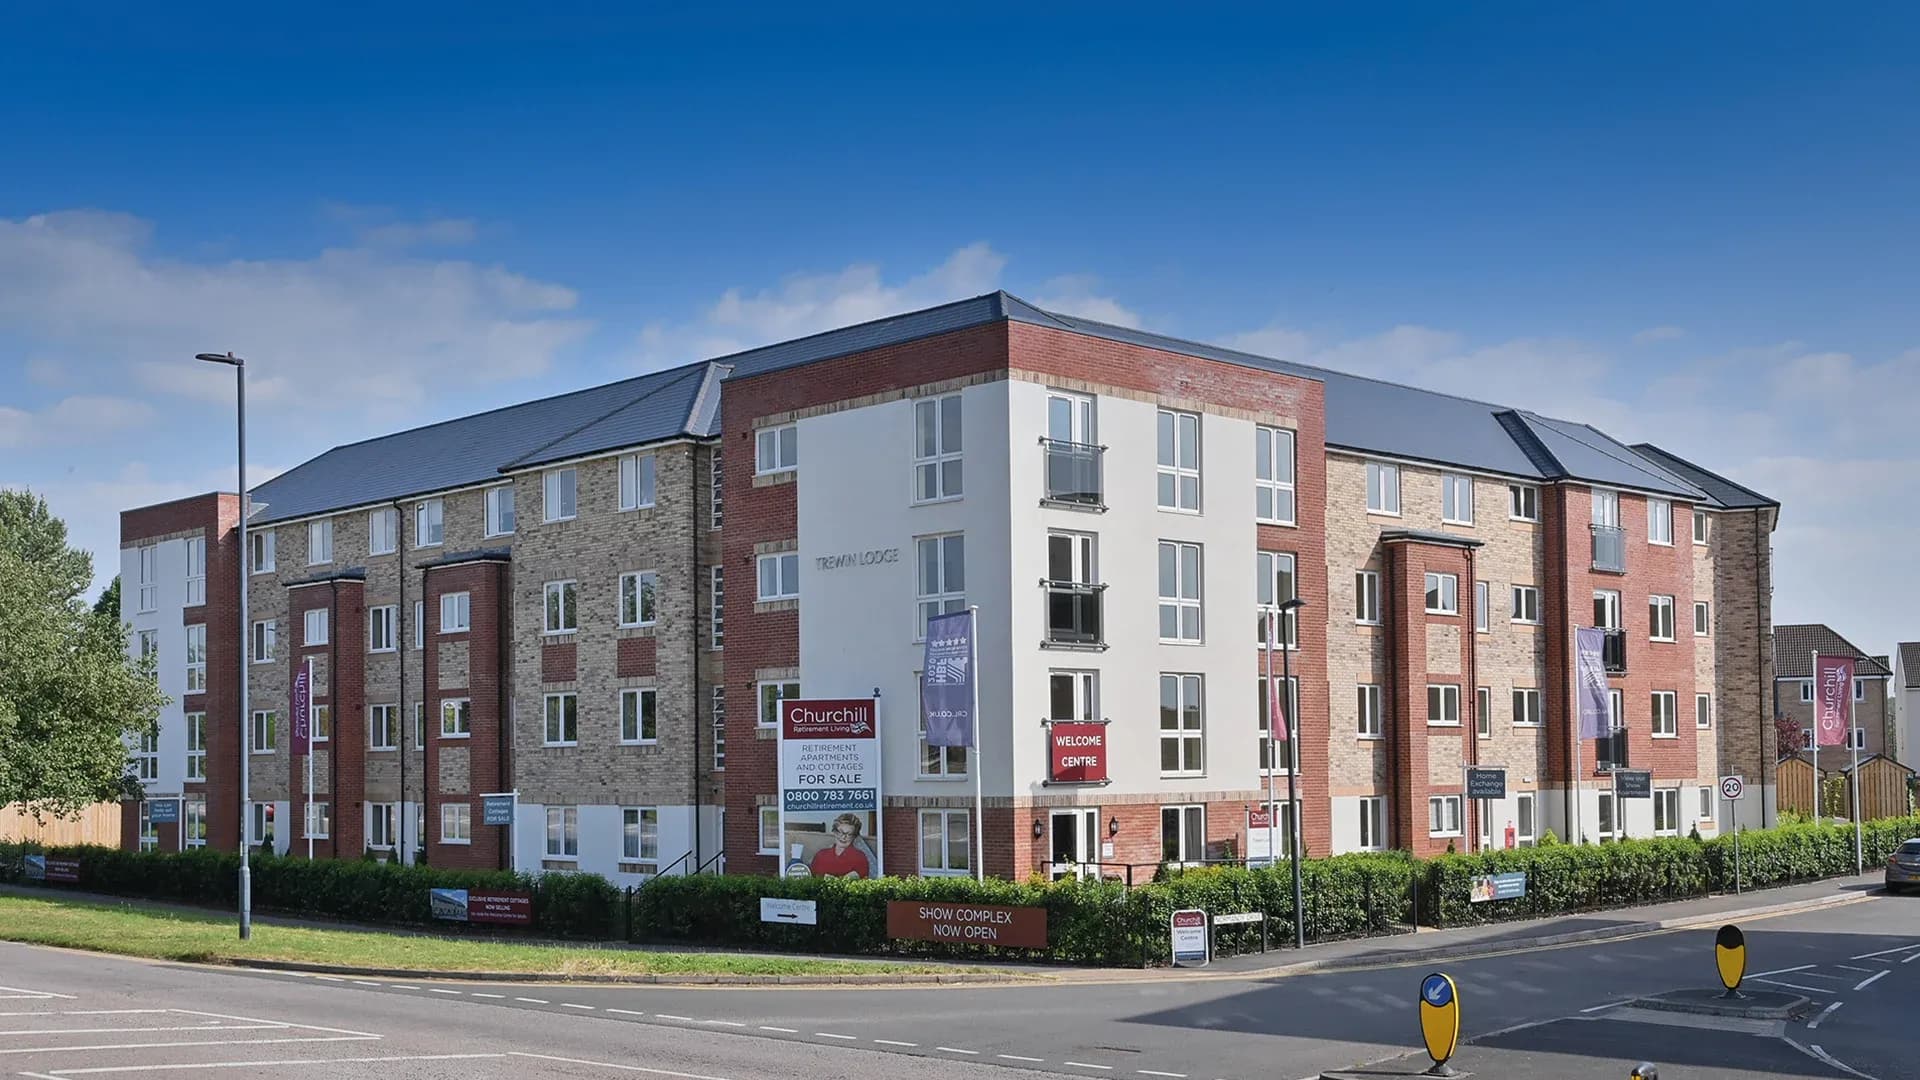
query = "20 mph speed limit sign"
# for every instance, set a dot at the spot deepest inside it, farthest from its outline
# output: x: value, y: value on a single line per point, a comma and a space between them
x: 1732, y: 787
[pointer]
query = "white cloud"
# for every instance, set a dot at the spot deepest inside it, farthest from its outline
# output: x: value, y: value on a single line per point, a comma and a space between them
x: 1079, y: 294
x: 1658, y: 333
x: 81, y: 418
x: 439, y: 232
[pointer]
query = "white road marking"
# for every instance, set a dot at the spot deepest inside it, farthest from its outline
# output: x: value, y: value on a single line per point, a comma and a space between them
x: 1794, y: 986
x: 397, y: 986
x: 1871, y: 979
x: 145, y: 1030
x: 1816, y: 1051
x: 1824, y: 1013
x: 534, y: 1001
x: 571, y: 1005
x: 438, y: 990
x: 1090, y: 1065
x: 1782, y: 971
x: 1152, y: 1072
x: 625, y: 1012
x: 1829, y: 978
x: 612, y: 1065
x: 957, y: 1050
x: 258, y: 1064
x: 21, y: 991
x: 831, y: 1035
x: 1017, y: 1057
x: 1850, y: 967
x: 194, y: 1042
x: 282, y: 1023
x: 477, y: 993
x: 1862, y: 956
x: 1911, y: 959
x: 724, y: 1023
x: 83, y: 1012
x: 783, y: 1031
x: 670, y: 1016
x: 1608, y: 1005
x: 894, y: 1042
x: 363, y: 982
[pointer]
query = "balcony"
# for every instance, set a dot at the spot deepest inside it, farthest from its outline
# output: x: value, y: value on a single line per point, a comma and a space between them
x: 1613, y: 651
x: 1074, y: 615
x: 1073, y: 474
x: 1609, y: 549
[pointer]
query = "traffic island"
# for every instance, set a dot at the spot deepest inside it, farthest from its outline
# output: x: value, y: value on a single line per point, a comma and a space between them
x: 1748, y: 1005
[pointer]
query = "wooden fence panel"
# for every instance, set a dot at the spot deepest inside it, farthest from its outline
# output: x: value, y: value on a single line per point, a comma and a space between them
x: 1883, y: 789
x: 97, y: 824
x: 1795, y: 786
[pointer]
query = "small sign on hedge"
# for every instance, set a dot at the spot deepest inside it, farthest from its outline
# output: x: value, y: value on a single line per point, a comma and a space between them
x: 474, y: 906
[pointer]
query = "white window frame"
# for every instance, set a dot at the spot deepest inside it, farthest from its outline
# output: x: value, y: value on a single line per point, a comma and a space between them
x: 383, y: 826
x: 635, y: 704
x: 1383, y: 488
x: 383, y: 531
x: 1606, y: 508
x: 642, y: 588
x: 1483, y: 712
x: 560, y: 494
x: 260, y: 824
x: 1173, y: 468
x: 193, y: 822
x: 1448, y: 693
x: 1482, y: 607
x: 319, y: 722
x: 932, y: 455
x: 419, y: 625
x: 1183, y: 594
x: 146, y: 757
x: 1445, y: 816
x: 429, y: 523
x: 196, y: 747
x: 196, y: 571
x: 776, y: 450
x: 1528, y: 707
x: 383, y: 624
x: 769, y: 815
x: 717, y: 606
x: 786, y: 576
x: 1269, y: 567
x: 261, y: 642
x: 1664, y: 714
x: 383, y: 727
x: 1656, y: 605
x: 561, y: 840
x: 456, y: 823
x: 1526, y: 817
x: 1366, y: 597
x: 1275, y: 475
x: 260, y: 553
x: 263, y: 731
x: 942, y: 596
x: 1184, y: 815
x: 952, y: 860
x: 1606, y: 821
x: 1447, y: 586
x: 783, y: 690
x: 456, y: 718
x: 1707, y: 808
x: 149, y: 644
x: 1452, y: 487
x: 1660, y: 522
x: 456, y: 612
x: 1369, y: 721
x: 1702, y: 618
x: 640, y: 834
x: 1702, y: 712
x: 320, y: 542
x: 316, y: 625
x: 1666, y: 805
x: 1859, y: 689
x: 1186, y: 739
x: 1702, y: 530
x: 1806, y: 691
x: 1856, y: 738
x: 639, y: 481
x: 1523, y: 502
x: 419, y: 727
x: 1526, y: 605
x: 147, y: 831
x: 1614, y: 616
x: 501, y: 510
x: 716, y: 488
x: 149, y: 577
x: 718, y: 695
x: 1373, y: 823
x: 196, y: 658
x: 560, y: 608
x: 557, y: 727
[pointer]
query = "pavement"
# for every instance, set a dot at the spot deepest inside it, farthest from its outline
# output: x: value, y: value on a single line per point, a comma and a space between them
x: 1556, y: 1012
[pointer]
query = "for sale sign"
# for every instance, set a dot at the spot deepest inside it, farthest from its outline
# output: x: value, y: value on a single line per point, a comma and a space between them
x: 830, y: 788
x: 1078, y: 753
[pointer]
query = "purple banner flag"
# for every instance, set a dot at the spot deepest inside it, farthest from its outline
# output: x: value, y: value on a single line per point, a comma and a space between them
x: 1832, y: 698
x: 302, y: 710
x: 1590, y: 681
x: 946, y: 681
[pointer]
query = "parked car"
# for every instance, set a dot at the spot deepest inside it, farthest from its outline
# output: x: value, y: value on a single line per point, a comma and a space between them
x: 1903, y: 866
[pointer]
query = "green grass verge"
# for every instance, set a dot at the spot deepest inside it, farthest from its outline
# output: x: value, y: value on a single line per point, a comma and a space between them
x: 169, y: 935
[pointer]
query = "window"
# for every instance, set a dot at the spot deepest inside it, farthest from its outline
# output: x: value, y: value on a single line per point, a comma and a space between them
x: 769, y: 830
x: 456, y: 721
x: 936, y: 448
x: 380, y: 627
x: 420, y: 624
x: 639, y: 716
x: 1074, y: 598
x: 383, y: 727
x: 456, y: 823
x: 1659, y: 522
x: 1806, y: 691
x: 1183, y: 834
x: 383, y: 531
x: 942, y: 585
x: 196, y: 746
x: 563, y: 832
x: 260, y: 823
x: 320, y: 722
x: 1706, y: 804
x: 1857, y: 738
x: 1443, y: 706
x: 636, y: 481
x: 1182, y: 727
x: 1702, y: 619
x: 1483, y: 712
x: 501, y: 519
x: 1660, y: 617
x: 456, y: 613
x: 1523, y: 502
x: 1284, y: 758
x: 559, y: 489
x: 1073, y: 696
x: 776, y: 450
x: 319, y: 541
x: 563, y: 719
x: 1611, y: 749
x: 1383, y: 488
x: 716, y: 486
x: 1524, y: 831
x: 319, y: 820
x: 383, y: 823
x: 770, y: 695
x: 1606, y: 828
x: 1373, y: 824
x: 1178, y: 458
x: 1665, y: 721
x: 719, y: 726
x: 1606, y: 608
x: 562, y: 616
x: 428, y: 523
x: 149, y: 576
x: 946, y: 843
x: 260, y: 551
x: 1703, y: 711
x: 196, y: 571
x: 196, y: 659
x: 1859, y: 689
x: 1482, y: 600
x: 1666, y: 812
x: 1526, y: 707
x: 1443, y: 815
x: 149, y: 644
x: 640, y: 833
x: 1369, y: 705
x: 146, y: 759
x: 1526, y: 604
x: 779, y: 577
x: 316, y: 626
x: 419, y: 726
x: 149, y: 833
x: 1606, y: 508
x: 193, y: 822
x: 637, y: 598
x: 1273, y: 475
x: 262, y: 737
x: 1456, y: 499
x: 1443, y: 594
x: 1700, y: 526
x: 1275, y: 585
x: 1366, y: 597
x: 719, y: 608
x: 1179, y: 592
x: 950, y: 762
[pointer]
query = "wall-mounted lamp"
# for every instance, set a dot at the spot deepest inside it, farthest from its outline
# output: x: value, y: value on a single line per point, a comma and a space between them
x: 1038, y: 829
x: 1113, y: 826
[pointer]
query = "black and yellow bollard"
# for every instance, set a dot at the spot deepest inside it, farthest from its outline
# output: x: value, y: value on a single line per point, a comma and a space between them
x: 1440, y: 1021
x: 1730, y: 957
x: 1646, y: 1070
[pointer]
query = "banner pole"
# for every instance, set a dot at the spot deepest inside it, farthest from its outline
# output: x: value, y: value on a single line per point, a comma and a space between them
x: 1814, y: 678
x: 1273, y: 853
x: 979, y: 759
x: 1573, y: 739
x: 306, y: 817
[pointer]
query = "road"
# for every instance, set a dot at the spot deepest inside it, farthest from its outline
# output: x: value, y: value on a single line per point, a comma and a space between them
x: 67, y: 1014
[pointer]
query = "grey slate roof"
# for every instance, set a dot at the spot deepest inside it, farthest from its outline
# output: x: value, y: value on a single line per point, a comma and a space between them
x: 1794, y: 645
x: 1910, y: 663
x: 1364, y: 415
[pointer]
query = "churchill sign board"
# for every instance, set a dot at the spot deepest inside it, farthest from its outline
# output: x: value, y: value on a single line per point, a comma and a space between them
x: 977, y: 924
x: 1078, y: 752
x: 830, y: 788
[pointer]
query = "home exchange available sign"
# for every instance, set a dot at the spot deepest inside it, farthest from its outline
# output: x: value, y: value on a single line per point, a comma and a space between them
x: 830, y: 787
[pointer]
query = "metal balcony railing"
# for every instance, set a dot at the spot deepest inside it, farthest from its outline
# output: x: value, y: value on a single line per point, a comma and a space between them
x: 1073, y: 473
x: 1613, y: 652
x: 1074, y: 613
x: 1609, y: 549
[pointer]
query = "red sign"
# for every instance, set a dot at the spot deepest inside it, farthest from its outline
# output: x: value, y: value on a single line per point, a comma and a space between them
x: 67, y: 870
x: 1078, y: 752
x: 1259, y: 818
x: 1833, y: 698
x: 840, y: 718
x: 1187, y: 920
x: 506, y: 908
x: 967, y: 924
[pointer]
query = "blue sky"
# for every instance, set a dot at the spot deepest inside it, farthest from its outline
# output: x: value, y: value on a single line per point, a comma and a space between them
x: 1694, y: 226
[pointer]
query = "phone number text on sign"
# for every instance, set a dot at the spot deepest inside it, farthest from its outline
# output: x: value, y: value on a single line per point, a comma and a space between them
x: 830, y: 798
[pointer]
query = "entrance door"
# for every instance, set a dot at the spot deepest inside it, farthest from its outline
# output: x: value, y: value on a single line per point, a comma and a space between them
x: 1075, y: 843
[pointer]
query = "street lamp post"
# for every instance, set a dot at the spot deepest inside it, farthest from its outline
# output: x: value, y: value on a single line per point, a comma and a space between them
x: 239, y: 367
x: 1292, y: 700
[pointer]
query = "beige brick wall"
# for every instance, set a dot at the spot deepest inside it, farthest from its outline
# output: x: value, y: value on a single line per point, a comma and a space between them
x: 1707, y: 747
x: 1742, y: 556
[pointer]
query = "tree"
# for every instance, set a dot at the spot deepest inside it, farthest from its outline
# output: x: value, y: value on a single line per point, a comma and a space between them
x: 69, y: 696
x: 108, y: 606
x: 1787, y: 738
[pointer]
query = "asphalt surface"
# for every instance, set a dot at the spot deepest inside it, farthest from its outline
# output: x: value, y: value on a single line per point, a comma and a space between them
x: 1555, y: 1012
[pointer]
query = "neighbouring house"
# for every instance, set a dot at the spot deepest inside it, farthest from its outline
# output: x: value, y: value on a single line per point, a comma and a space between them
x: 1906, y: 700
x: 1793, y: 649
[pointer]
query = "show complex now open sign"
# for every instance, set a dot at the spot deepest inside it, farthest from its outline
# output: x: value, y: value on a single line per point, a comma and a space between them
x: 975, y: 924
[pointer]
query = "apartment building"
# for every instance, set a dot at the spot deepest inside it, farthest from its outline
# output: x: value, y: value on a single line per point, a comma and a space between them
x: 1793, y: 649
x: 1125, y: 510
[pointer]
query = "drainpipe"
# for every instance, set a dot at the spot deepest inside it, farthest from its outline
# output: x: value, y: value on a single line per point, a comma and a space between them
x: 693, y: 638
x: 1390, y: 620
x: 402, y: 717
x: 1573, y: 718
x: 1472, y: 755
x: 333, y: 715
x: 502, y: 704
x: 1760, y: 686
